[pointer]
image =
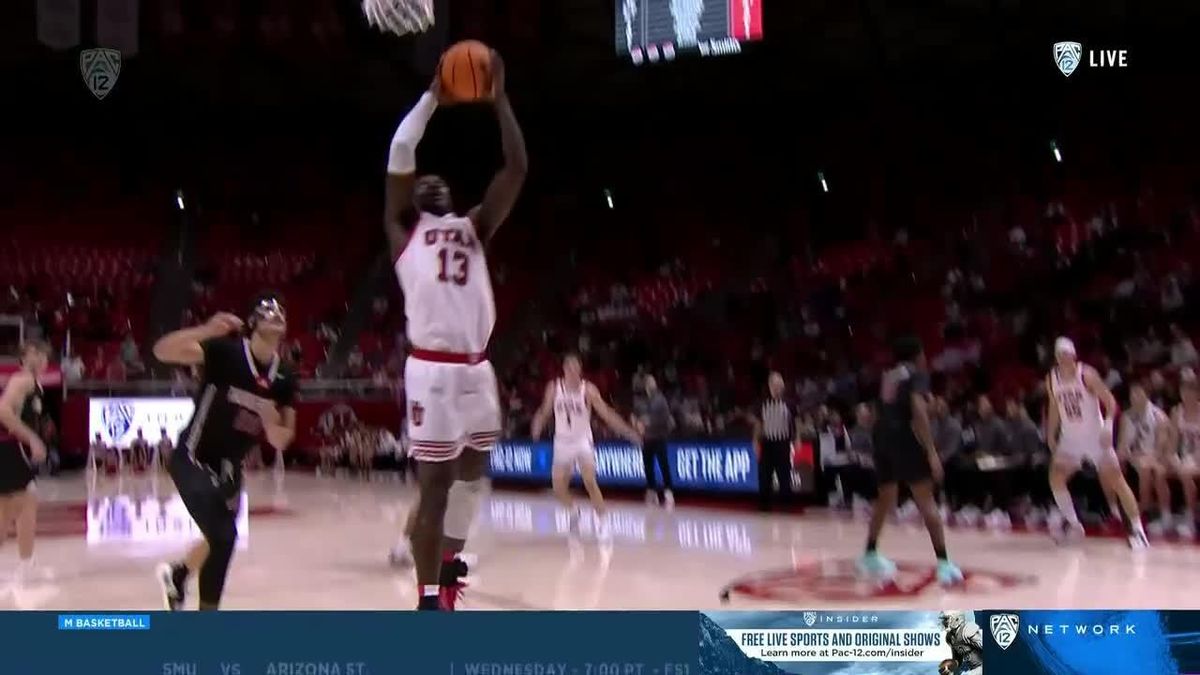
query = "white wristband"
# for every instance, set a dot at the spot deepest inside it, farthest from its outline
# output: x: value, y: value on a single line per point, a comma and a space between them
x: 402, y: 156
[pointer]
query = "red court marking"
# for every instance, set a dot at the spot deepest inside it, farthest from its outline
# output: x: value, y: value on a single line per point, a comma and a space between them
x: 840, y: 581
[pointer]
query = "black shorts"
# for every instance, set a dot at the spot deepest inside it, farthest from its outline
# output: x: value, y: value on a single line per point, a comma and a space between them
x: 16, y: 468
x: 210, y: 494
x: 900, y: 459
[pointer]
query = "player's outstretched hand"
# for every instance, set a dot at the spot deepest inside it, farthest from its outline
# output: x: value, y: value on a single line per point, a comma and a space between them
x: 224, y: 323
x: 498, y: 76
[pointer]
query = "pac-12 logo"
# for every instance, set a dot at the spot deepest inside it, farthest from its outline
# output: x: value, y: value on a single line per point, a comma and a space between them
x: 810, y: 618
x: 100, y: 69
x: 1067, y: 56
x: 117, y: 418
x: 1004, y: 629
x: 418, y: 413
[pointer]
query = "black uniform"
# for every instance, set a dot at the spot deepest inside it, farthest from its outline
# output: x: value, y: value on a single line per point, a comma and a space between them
x: 17, y: 469
x: 207, y: 467
x: 899, y: 457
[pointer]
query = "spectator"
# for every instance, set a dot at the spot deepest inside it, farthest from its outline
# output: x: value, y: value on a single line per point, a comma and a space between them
x: 1183, y: 351
x: 653, y: 414
x: 73, y: 369
x: 1033, y: 457
x: 994, y: 460
x: 947, y: 434
x: 861, y: 441
x: 116, y: 371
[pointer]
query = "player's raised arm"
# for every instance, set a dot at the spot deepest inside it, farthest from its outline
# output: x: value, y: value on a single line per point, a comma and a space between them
x: 610, y: 416
x: 183, y: 347
x: 543, y: 413
x: 502, y: 194
x: 399, y: 212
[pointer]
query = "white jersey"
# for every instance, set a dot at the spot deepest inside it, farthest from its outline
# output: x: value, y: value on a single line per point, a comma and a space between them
x: 1141, y: 431
x: 1079, y: 410
x: 1189, y: 432
x: 448, y: 299
x: 572, y: 415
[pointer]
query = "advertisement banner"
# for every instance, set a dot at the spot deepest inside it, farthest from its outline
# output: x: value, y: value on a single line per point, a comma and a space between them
x: 1095, y: 642
x: 118, y: 420
x: 706, y: 466
x: 828, y: 642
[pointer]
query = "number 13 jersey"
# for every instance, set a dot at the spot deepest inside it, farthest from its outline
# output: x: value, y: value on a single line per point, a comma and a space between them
x: 448, y: 301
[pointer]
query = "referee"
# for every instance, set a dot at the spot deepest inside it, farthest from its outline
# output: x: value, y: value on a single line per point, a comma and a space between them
x: 774, y: 431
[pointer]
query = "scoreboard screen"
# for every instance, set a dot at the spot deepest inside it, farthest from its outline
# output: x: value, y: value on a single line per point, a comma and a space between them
x: 650, y: 31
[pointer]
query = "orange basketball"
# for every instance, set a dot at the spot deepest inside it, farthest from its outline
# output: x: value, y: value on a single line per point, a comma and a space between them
x: 466, y: 71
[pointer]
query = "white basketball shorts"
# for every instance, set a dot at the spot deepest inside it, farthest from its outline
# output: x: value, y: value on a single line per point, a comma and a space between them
x: 1073, y: 452
x: 450, y: 406
x: 574, y: 453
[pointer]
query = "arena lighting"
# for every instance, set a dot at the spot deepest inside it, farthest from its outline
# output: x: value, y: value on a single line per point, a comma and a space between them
x: 1055, y: 150
x: 608, y: 198
x: 821, y: 177
x: 179, y: 199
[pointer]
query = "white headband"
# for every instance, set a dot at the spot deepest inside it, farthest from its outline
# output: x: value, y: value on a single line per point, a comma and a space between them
x: 1064, y: 345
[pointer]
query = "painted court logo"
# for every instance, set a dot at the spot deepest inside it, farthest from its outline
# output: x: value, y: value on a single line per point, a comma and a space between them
x: 1004, y: 629
x: 838, y: 580
x: 100, y: 69
x: 1067, y: 56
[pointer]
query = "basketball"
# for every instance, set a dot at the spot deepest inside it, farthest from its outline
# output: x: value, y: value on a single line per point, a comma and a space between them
x: 466, y: 72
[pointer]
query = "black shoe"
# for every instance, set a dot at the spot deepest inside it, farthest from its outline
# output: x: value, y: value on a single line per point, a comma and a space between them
x: 172, y: 580
x: 453, y: 572
x: 429, y: 603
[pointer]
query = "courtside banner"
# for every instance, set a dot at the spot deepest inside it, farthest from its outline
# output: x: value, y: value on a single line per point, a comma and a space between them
x: 702, y: 466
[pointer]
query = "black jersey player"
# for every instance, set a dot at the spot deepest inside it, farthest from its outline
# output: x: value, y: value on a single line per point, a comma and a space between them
x: 246, y: 394
x: 21, y: 450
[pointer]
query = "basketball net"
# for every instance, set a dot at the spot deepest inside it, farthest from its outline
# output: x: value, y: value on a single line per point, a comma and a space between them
x: 399, y: 16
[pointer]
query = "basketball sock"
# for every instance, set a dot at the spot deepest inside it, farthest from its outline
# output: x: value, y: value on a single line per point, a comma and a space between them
x: 940, y: 552
x: 872, y: 543
x: 430, y: 598
x: 1062, y: 498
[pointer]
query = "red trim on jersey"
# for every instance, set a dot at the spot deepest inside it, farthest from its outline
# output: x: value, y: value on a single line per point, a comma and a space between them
x: 457, y: 358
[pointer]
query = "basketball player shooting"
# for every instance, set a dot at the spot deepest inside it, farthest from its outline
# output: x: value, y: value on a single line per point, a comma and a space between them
x: 1079, y: 427
x: 453, y: 402
x: 905, y: 453
x: 572, y: 400
x: 22, y: 451
x: 246, y: 394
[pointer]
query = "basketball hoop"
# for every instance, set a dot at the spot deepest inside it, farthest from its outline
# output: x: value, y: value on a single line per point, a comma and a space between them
x: 401, y: 17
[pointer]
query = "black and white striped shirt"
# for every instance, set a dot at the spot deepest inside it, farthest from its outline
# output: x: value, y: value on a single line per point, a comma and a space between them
x: 777, y: 422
